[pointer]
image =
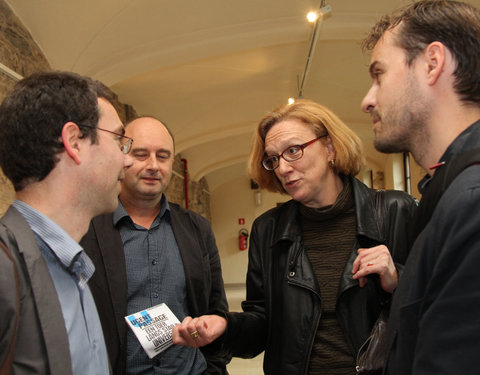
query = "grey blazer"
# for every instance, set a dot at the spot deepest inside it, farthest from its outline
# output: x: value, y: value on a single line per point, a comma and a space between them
x: 41, y: 340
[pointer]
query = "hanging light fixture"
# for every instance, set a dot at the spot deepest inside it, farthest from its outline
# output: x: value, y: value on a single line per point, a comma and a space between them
x: 315, y: 17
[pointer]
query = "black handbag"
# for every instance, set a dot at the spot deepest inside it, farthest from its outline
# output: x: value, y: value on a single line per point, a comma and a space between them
x: 372, y: 354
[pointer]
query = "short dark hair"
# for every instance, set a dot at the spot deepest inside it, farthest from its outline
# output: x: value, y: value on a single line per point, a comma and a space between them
x: 32, y: 117
x: 454, y: 24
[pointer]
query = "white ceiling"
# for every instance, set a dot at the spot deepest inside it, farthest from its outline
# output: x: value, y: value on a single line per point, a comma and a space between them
x: 210, y: 69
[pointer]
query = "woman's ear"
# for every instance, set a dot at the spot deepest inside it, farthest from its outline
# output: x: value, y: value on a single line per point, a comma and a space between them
x: 72, y: 139
x: 331, y: 153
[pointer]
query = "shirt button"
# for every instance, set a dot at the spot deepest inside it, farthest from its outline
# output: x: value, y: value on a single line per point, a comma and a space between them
x: 154, y: 261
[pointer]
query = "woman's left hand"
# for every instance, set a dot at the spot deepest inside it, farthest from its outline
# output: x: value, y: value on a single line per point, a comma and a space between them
x: 376, y: 260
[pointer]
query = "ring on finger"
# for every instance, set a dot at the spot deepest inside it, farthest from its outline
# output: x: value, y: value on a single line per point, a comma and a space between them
x: 194, y: 334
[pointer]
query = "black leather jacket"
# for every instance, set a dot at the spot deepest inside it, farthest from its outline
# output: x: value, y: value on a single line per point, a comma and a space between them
x: 283, y: 305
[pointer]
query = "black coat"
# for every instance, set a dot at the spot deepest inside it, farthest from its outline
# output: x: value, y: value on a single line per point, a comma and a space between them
x: 283, y: 305
x: 201, y: 261
x: 434, y: 324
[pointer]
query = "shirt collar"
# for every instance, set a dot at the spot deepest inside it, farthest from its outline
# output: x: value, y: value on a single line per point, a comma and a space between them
x: 121, y: 212
x: 64, y: 247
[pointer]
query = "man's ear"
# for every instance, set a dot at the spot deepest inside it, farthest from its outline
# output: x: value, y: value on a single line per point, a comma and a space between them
x: 435, y: 56
x: 72, y: 140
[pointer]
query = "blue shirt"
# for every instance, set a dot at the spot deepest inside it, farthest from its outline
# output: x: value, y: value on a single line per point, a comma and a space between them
x: 155, y: 275
x: 70, y: 269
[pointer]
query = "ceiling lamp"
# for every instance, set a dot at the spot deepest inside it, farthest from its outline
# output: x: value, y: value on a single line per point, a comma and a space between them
x: 312, y: 16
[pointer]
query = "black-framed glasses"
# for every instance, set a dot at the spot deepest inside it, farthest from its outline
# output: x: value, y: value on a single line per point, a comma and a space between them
x: 291, y: 153
x: 125, y: 146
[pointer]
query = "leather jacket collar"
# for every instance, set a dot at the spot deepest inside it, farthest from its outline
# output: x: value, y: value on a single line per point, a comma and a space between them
x: 289, y: 229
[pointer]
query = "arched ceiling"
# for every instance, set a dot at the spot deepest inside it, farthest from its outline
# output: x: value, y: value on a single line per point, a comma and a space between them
x: 210, y: 69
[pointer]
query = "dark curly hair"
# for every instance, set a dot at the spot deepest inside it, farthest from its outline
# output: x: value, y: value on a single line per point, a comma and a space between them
x: 32, y: 117
x: 454, y: 24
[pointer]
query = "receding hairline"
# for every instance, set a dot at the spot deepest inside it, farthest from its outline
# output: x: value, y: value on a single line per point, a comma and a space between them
x: 160, y: 122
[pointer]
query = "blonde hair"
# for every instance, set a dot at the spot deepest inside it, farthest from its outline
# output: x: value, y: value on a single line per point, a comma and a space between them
x: 348, y: 146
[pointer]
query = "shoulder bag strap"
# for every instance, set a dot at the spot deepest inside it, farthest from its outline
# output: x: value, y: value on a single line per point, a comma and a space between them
x: 379, y: 207
x: 439, y: 183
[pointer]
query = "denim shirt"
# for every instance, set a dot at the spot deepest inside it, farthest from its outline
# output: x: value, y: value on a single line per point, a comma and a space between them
x: 155, y: 274
x: 70, y: 269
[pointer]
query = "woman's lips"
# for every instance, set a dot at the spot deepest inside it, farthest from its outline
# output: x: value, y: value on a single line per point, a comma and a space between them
x: 291, y: 183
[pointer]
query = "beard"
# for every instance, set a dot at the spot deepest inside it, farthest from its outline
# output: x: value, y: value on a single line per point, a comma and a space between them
x: 402, y: 127
x: 393, y: 136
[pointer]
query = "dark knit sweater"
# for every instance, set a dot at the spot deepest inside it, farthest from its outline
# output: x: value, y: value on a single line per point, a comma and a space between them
x: 329, y: 235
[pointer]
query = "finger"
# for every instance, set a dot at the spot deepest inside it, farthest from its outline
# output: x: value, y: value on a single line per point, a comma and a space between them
x: 366, y: 269
x: 355, y: 266
x: 364, y: 257
x: 188, y: 331
x: 357, y: 263
x: 187, y: 320
x: 194, y: 334
x: 180, y: 335
x: 202, y: 328
x: 362, y: 281
x: 176, y: 337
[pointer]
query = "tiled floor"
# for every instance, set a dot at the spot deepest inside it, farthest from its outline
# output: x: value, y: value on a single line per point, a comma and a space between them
x: 239, y: 366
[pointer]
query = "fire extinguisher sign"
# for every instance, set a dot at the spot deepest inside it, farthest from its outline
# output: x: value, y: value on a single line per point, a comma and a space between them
x: 241, y: 221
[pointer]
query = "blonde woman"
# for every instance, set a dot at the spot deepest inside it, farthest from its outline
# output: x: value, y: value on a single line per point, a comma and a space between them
x: 322, y: 265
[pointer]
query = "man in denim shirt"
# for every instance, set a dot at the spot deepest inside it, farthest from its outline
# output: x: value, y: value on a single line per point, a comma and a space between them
x: 152, y: 251
x: 62, y: 146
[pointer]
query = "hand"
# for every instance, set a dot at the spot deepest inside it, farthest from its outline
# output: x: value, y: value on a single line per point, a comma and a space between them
x: 199, y: 331
x: 376, y: 260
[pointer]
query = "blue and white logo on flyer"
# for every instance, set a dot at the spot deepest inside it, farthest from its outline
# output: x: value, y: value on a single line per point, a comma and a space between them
x: 153, y: 328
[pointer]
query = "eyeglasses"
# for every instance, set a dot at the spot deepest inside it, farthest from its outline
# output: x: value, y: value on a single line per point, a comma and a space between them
x: 125, y: 147
x: 291, y: 153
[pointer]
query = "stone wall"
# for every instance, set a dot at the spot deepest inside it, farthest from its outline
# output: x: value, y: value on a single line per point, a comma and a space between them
x: 19, y: 52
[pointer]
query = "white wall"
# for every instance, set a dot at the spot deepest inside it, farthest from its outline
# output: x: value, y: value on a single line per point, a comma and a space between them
x: 229, y: 202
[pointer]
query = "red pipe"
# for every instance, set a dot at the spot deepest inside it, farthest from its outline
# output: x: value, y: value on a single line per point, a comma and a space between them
x: 185, y: 175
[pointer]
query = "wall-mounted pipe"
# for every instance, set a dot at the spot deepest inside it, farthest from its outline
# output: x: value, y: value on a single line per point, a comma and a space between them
x: 185, y: 180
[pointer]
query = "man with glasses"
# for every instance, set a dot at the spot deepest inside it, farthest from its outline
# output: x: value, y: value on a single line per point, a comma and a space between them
x: 64, y: 173
x: 152, y: 251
